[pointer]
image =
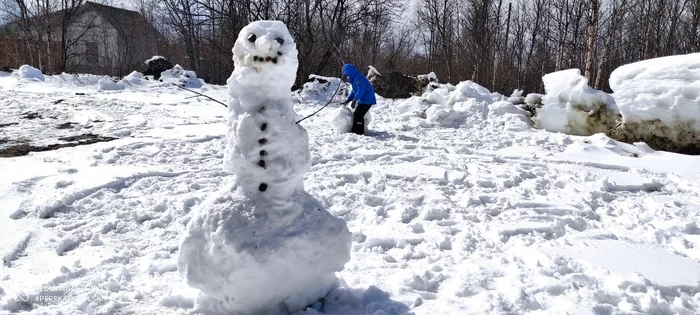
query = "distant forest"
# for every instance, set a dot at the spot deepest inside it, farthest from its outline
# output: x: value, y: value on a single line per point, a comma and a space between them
x: 502, y: 45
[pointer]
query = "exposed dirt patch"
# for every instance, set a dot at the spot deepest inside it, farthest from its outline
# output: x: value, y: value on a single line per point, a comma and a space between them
x: 679, y: 138
x: 72, y: 141
x: 68, y: 125
x: 8, y: 124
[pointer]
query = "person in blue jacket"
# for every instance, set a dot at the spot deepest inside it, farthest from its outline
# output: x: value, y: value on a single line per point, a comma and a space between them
x: 362, y: 93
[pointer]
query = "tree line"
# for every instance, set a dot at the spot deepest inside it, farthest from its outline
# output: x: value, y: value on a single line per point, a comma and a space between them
x: 500, y: 44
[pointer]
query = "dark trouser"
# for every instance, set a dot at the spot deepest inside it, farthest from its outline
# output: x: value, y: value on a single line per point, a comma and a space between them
x: 358, y: 124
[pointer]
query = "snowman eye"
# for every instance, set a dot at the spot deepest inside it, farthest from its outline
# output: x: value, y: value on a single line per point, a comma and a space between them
x: 280, y: 40
x: 252, y: 38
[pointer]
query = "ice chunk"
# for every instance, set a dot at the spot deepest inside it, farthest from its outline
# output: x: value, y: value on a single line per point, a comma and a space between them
x: 570, y: 106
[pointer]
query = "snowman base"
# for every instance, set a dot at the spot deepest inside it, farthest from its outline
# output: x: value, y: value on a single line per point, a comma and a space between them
x: 252, y: 256
x: 343, y: 119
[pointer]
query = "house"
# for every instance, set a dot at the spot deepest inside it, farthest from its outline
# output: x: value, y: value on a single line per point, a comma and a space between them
x: 92, y: 38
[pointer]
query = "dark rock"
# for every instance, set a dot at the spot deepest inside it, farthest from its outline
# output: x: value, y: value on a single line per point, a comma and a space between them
x: 31, y: 115
x: 6, y: 69
x: 398, y: 85
x: 157, y: 66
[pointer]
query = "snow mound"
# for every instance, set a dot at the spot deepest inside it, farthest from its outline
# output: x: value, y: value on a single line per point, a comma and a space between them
x: 658, y: 99
x: 133, y: 78
x: 263, y: 244
x: 251, y: 255
x: 107, y: 84
x: 29, y: 73
x: 466, y: 90
x: 319, y: 90
x: 534, y: 99
x: 445, y: 116
x: 570, y: 106
x: 466, y: 103
x: 517, y: 97
x: 179, y: 76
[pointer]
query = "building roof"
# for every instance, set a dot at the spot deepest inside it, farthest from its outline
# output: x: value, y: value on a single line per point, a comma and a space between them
x: 126, y: 22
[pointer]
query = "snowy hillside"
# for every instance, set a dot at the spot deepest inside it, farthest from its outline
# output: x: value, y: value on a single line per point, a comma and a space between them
x: 456, y: 205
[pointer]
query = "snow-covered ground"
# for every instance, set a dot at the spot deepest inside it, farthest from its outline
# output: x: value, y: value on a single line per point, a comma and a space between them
x: 486, y: 215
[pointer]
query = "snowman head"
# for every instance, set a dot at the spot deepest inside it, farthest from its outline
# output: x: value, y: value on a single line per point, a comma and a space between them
x: 266, y: 50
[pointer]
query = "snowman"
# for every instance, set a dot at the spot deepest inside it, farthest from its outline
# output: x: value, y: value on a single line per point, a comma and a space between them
x: 262, y: 243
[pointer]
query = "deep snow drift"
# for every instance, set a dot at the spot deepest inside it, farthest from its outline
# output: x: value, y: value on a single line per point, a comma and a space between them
x: 658, y: 99
x: 262, y: 243
x: 570, y: 106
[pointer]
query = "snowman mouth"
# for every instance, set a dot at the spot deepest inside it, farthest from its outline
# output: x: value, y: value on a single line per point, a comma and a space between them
x: 266, y: 59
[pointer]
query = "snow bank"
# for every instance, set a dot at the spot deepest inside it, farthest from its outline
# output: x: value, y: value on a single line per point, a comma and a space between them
x: 107, y: 84
x: 263, y: 244
x: 29, y: 73
x: 179, y: 76
x: 466, y: 103
x: 570, y: 106
x: 658, y: 99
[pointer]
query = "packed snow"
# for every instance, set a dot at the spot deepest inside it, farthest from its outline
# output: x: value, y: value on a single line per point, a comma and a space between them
x: 262, y: 243
x: 342, y: 120
x: 666, y: 88
x: 492, y: 217
x: 572, y: 107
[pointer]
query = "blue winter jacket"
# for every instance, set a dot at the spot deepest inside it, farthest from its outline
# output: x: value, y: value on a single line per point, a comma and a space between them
x: 362, y: 89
